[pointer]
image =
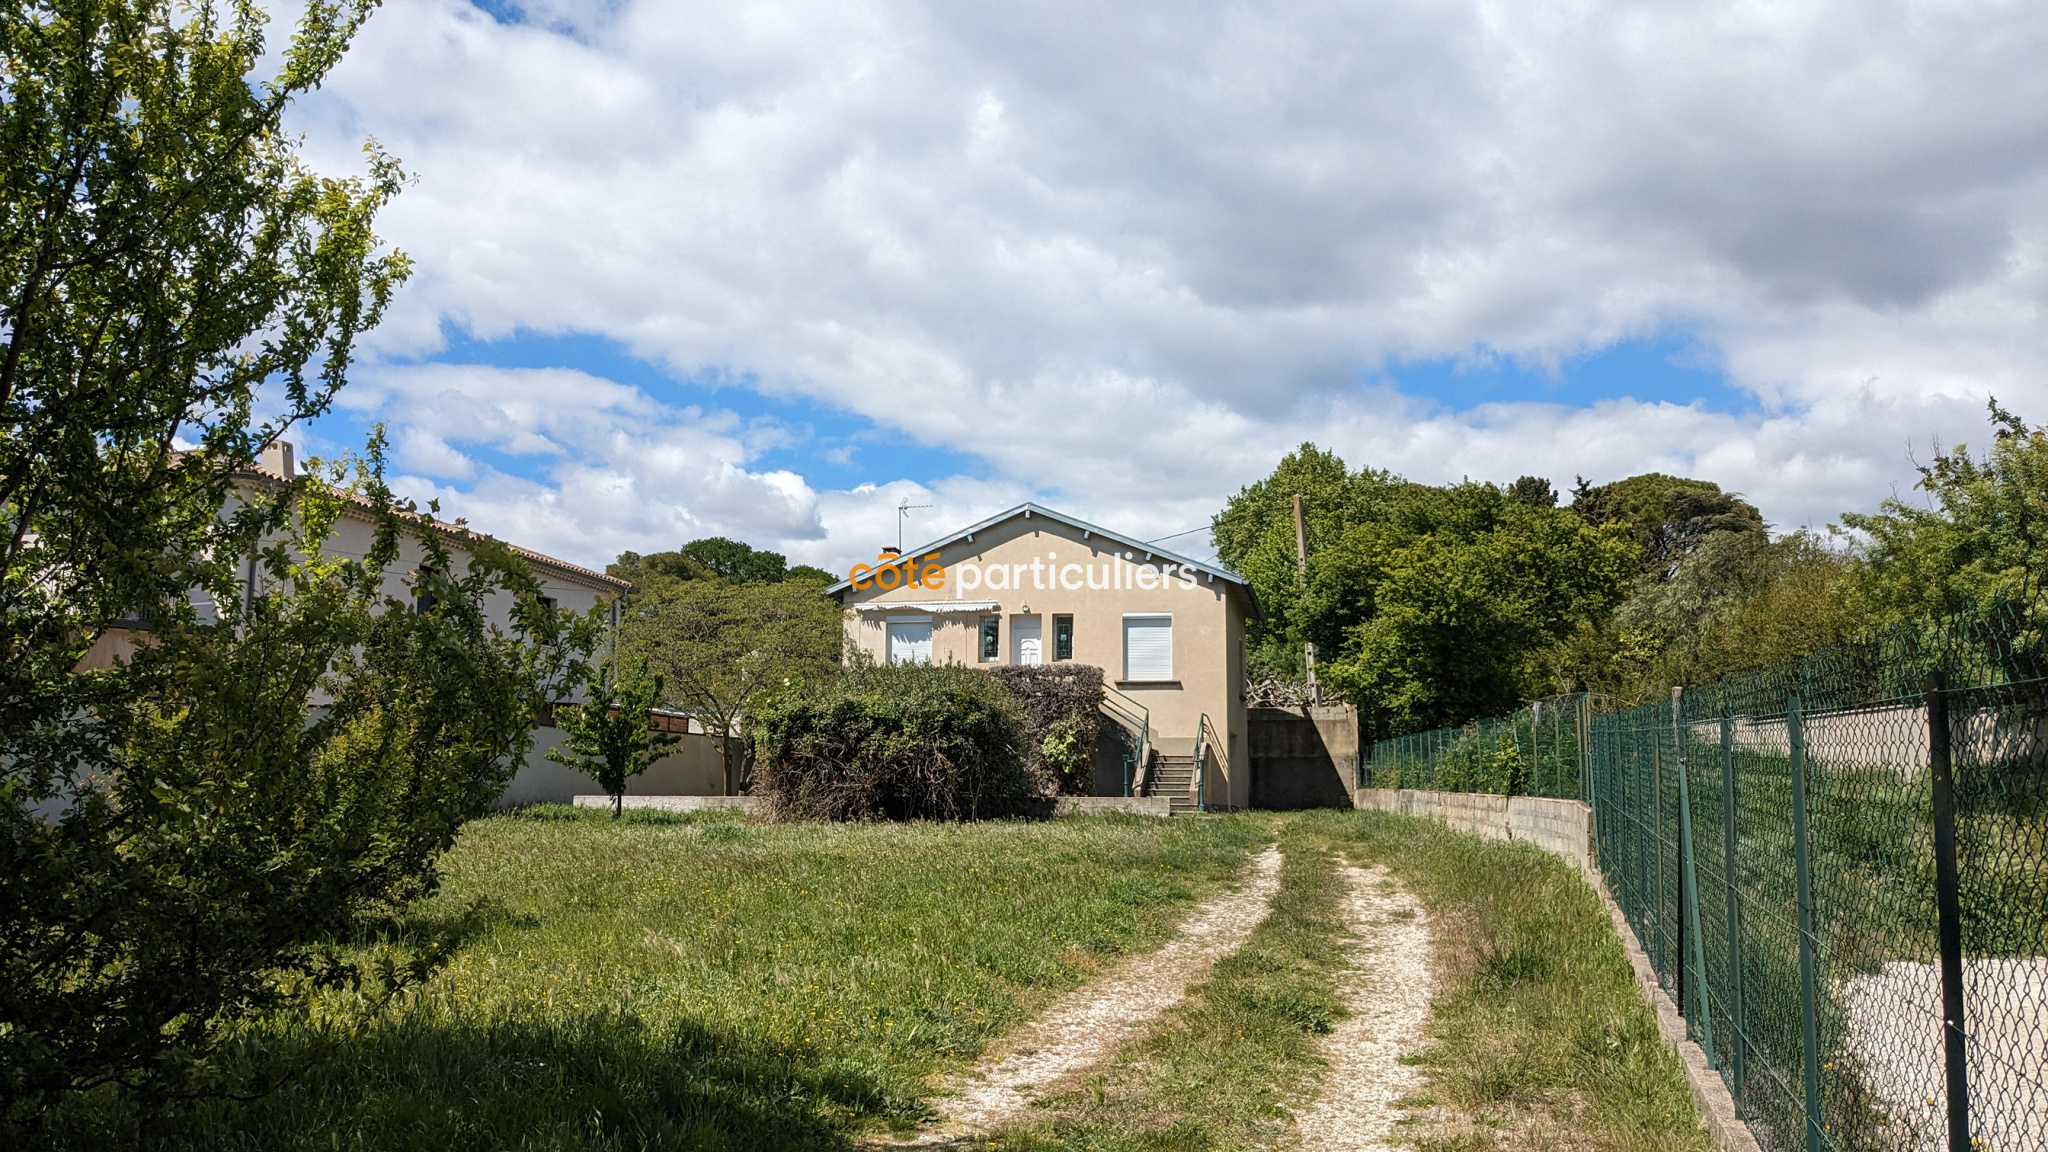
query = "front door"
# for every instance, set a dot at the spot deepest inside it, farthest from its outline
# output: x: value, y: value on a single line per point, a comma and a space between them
x: 1025, y: 646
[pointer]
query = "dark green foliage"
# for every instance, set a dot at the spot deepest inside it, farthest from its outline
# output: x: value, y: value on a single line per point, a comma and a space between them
x: 894, y: 742
x: 1062, y: 706
x: 1254, y: 534
x: 1464, y: 587
x: 1667, y: 516
x: 1426, y: 605
x: 715, y: 558
x: 611, y: 736
x: 1535, y: 491
x: 1737, y: 601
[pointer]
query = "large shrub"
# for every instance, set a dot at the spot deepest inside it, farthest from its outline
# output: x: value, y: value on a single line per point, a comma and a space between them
x: 902, y: 742
x: 1062, y: 705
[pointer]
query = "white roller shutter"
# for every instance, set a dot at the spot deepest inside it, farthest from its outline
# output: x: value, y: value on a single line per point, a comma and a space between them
x: 1148, y: 647
x: 910, y: 643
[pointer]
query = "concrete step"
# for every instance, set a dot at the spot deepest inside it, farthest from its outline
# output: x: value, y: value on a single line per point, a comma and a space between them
x: 1174, y: 778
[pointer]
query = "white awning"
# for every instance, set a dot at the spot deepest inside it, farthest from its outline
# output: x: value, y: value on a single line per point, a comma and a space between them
x: 927, y: 606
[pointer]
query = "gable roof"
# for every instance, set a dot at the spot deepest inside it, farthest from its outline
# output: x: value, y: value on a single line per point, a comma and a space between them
x: 359, y: 506
x: 1028, y: 510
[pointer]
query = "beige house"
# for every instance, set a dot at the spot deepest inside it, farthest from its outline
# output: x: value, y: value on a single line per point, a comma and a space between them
x: 1032, y: 586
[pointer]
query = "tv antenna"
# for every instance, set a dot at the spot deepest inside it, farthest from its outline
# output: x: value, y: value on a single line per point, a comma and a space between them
x: 902, y: 514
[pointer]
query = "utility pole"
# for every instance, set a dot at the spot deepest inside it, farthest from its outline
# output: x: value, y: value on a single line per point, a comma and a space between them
x: 1308, y: 648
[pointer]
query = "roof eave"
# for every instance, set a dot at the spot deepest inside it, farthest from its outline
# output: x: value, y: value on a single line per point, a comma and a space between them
x: 1028, y: 508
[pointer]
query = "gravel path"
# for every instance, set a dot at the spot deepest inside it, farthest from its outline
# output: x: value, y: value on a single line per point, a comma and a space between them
x: 1389, y: 1003
x: 1093, y: 1021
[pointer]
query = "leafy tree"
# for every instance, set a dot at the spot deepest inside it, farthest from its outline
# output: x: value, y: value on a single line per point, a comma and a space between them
x: 1982, y: 538
x: 163, y: 252
x: 717, y: 644
x: 611, y: 735
x: 1535, y: 491
x: 1668, y: 516
x: 1426, y: 605
x: 1254, y: 535
x: 1444, y: 604
x: 716, y: 558
x: 1737, y: 601
x: 183, y: 834
x: 737, y: 562
x: 253, y: 786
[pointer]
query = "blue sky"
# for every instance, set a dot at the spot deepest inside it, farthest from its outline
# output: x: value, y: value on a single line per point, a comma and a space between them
x: 765, y: 271
x: 835, y: 447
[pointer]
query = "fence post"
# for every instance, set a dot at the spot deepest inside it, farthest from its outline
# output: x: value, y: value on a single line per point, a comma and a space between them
x: 1949, y: 910
x: 1691, y: 886
x: 1809, y: 998
x: 1658, y: 954
x: 1729, y: 842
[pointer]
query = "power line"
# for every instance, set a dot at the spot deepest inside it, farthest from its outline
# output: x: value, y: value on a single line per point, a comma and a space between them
x: 1196, y: 528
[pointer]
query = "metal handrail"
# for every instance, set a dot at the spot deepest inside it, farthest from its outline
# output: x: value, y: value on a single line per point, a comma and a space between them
x: 1121, y: 708
x: 1205, y: 734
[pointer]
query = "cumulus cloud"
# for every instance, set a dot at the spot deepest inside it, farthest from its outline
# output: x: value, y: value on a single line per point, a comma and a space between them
x: 1127, y: 254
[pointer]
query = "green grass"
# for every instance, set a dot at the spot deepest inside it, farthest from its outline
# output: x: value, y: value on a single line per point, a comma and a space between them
x: 1539, y: 1037
x: 1226, y: 1068
x: 703, y: 982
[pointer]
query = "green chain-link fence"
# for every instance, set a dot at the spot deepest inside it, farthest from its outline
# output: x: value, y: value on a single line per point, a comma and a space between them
x: 1534, y: 752
x: 1825, y: 860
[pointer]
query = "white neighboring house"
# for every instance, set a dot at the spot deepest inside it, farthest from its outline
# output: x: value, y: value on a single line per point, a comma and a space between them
x: 693, y: 766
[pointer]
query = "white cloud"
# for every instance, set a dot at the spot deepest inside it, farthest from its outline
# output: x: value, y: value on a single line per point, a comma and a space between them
x: 1128, y: 254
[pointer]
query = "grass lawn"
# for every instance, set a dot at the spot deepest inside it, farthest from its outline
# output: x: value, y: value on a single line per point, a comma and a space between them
x: 701, y: 982
x: 1538, y: 1038
x: 1228, y: 1065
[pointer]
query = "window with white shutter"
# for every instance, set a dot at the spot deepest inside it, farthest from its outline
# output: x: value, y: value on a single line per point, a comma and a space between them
x: 910, y: 643
x: 1148, y: 647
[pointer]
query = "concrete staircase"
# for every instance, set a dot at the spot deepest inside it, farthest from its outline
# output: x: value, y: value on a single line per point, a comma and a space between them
x: 1174, y: 778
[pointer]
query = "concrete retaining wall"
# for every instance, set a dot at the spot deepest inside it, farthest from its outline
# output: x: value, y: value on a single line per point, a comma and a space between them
x: 1135, y: 805
x: 1561, y: 826
x: 674, y: 803
x: 1303, y: 757
x: 693, y: 767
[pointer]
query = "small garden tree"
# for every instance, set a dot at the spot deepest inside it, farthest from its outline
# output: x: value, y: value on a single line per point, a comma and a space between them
x: 717, y: 644
x: 611, y: 735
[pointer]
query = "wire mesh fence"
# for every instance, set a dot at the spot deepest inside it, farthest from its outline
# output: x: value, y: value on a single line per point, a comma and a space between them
x: 1826, y: 861
x: 1533, y: 752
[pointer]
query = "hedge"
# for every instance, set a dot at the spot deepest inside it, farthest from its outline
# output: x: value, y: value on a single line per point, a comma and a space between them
x: 1062, y: 705
x: 895, y: 742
